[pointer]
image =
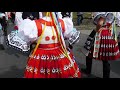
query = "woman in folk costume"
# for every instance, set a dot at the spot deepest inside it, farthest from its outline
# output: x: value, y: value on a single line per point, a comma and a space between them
x: 49, y: 59
x: 105, y: 46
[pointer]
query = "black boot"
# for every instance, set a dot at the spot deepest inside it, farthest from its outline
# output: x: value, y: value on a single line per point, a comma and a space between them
x: 106, y: 69
x: 88, y: 66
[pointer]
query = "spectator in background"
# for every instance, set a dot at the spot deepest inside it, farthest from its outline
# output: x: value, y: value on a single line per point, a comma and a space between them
x: 79, y: 18
x: 3, y: 22
x: 11, y: 16
x: 3, y: 26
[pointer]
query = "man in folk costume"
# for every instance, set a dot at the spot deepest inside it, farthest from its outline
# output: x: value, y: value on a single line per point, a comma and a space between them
x: 50, y: 58
x: 102, y: 43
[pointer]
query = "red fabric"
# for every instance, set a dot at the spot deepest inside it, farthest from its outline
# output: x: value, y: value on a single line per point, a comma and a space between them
x: 50, y: 64
x: 49, y: 45
x: 15, y: 27
x: 48, y: 23
x: 39, y: 27
x: 106, y: 50
x: 62, y: 24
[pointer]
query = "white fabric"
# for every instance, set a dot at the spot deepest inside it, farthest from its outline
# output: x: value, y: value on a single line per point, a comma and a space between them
x: 97, y: 13
x: 59, y: 15
x: 6, y: 14
x: 118, y: 18
x: 18, y: 18
x: 27, y: 33
x: 15, y: 41
x: 71, y: 34
x: 71, y: 16
x: 110, y: 17
x: 28, y: 30
x: 1, y: 15
x: 40, y: 15
x: 68, y: 26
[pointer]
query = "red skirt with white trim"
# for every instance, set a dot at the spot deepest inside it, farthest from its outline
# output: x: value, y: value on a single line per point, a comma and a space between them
x: 108, y: 49
x: 51, y: 63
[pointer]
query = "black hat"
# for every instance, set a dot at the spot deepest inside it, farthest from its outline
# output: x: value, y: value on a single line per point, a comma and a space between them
x: 65, y: 14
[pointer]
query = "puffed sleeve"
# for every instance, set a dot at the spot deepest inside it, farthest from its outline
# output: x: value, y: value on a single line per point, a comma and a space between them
x: 28, y: 30
x: 71, y: 34
x: 68, y: 27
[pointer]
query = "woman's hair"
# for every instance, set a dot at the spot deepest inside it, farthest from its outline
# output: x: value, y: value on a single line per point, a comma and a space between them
x: 99, y: 21
x: 66, y: 14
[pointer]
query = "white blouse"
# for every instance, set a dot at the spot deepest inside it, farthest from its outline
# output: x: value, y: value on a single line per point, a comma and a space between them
x: 28, y: 29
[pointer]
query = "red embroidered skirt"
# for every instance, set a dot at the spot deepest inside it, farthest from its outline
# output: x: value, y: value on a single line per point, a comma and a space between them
x: 51, y: 63
x: 108, y: 49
